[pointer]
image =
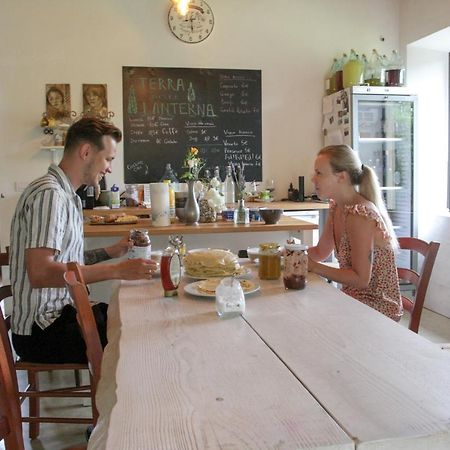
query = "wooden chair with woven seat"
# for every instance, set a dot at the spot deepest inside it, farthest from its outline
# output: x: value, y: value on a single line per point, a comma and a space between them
x: 86, y: 320
x: 32, y: 391
x: 414, y: 306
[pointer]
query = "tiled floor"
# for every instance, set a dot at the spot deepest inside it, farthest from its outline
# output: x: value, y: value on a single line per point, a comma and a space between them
x: 434, y: 327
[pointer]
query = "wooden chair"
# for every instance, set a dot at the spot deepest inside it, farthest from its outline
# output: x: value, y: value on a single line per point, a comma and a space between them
x: 10, y: 413
x: 419, y: 280
x: 86, y: 320
x: 32, y: 391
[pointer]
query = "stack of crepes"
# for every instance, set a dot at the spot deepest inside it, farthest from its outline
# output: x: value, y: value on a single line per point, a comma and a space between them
x: 211, y: 263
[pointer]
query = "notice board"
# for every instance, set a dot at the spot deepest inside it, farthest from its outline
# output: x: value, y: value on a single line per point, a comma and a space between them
x: 168, y: 110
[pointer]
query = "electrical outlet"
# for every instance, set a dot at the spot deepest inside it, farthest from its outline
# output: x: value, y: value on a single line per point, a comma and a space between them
x: 20, y: 185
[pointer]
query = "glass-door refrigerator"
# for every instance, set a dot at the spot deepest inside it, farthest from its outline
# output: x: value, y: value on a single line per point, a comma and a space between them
x: 379, y: 123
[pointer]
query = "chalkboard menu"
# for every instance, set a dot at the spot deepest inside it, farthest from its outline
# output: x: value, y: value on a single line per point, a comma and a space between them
x: 168, y: 110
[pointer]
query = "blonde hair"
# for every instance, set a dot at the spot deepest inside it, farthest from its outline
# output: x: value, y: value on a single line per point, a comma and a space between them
x: 344, y: 159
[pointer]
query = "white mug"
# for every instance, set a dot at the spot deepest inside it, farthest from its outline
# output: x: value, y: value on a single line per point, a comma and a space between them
x: 159, y: 197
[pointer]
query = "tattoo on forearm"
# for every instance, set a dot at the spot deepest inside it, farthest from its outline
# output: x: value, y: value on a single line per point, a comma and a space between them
x: 95, y: 256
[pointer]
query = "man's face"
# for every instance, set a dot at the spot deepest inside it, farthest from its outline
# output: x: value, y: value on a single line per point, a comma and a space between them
x: 98, y: 163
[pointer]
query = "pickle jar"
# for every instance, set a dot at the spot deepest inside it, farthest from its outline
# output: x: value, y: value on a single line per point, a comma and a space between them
x: 142, y: 246
x: 295, y: 266
x: 269, y: 261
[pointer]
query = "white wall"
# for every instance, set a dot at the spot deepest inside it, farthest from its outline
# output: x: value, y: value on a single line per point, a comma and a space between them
x: 423, y: 33
x: 88, y: 41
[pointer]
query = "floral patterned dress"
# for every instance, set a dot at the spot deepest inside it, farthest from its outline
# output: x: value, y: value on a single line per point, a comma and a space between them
x: 383, y: 292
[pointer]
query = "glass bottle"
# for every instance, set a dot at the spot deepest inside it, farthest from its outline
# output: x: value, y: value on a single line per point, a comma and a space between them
x: 115, y: 197
x: 216, y: 182
x: 295, y: 266
x: 353, y: 71
x: 330, y: 80
x: 90, y: 197
x: 373, y: 71
x: 241, y: 213
x: 338, y: 76
x: 142, y: 245
x: 170, y: 175
x: 229, y: 188
x: 170, y: 270
x: 269, y: 261
x: 395, y: 71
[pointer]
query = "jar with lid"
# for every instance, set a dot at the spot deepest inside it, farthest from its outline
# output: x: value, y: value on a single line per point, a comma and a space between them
x: 269, y: 261
x: 295, y: 266
x: 142, y: 246
x: 170, y: 269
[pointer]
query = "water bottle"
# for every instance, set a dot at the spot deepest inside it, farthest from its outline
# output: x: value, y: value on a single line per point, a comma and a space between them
x: 229, y: 189
x: 115, y: 197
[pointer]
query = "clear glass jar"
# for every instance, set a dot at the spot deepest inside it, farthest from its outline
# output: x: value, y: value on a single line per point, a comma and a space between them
x: 295, y: 266
x: 269, y: 261
x: 142, y: 246
x: 170, y: 271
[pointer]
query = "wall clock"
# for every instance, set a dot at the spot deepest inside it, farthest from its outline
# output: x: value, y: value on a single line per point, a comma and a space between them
x: 195, y: 26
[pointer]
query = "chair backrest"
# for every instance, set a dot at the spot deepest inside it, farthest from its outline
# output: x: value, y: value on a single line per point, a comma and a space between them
x: 419, y: 280
x: 86, y: 320
x: 10, y: 414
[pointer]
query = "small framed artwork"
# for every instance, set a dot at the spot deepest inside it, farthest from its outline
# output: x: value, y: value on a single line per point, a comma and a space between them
x: 57, y: 101
x: 95, y: 100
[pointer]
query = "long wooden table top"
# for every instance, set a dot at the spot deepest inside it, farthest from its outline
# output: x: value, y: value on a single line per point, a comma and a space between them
x: 221, y: 226
x: 301, y: 369
x: 175, y: 376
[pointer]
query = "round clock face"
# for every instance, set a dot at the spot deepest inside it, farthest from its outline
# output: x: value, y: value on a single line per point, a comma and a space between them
x: 196, y: 25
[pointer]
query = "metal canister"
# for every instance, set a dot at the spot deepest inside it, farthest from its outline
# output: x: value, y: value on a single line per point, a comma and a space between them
x: 269, y: 261
x: 295, y: 266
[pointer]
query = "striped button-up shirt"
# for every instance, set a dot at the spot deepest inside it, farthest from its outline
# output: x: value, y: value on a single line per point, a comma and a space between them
x: 48, y: 215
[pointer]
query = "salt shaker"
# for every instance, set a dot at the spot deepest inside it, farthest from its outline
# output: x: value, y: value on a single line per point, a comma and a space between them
x: 295, y: 266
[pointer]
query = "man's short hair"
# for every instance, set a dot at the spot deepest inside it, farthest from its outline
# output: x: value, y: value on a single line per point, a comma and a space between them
x: 90, y: 130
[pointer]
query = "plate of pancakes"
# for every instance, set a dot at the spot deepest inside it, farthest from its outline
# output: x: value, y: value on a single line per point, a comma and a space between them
x: 207, y: 288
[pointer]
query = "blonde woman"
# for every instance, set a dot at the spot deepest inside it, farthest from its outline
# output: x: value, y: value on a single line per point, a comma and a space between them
x: 358, y: 229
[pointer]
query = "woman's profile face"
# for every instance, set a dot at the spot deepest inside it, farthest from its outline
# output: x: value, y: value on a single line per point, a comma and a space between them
x: 324, y: 178
x: 55, y: 100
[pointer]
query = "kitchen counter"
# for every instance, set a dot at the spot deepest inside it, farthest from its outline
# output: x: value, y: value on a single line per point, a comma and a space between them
x: 285, y: 224
x: 146, y: 212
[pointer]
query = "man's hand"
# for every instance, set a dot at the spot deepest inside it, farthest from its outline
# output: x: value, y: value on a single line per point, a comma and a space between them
x: 120, y: 248
x: 136, y: 269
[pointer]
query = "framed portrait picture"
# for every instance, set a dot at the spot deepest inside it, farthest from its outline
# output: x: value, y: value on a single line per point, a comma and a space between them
x: 95, y: 100
x: 57, y: 101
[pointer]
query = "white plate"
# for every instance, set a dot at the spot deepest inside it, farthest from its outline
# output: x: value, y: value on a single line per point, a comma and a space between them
x: 246, y: 271
x: 192, y: 288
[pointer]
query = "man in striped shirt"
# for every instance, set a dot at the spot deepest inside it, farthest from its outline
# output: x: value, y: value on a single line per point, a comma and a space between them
x: 46, y: 233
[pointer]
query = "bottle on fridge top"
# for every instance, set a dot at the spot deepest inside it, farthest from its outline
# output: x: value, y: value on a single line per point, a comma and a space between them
x: 330, y: 80
x: 373, y: 72
x: 338, y: 75
x: 229, y: 188
x: 395, y: 70
x: 115, y: 197
x: 353, y: 70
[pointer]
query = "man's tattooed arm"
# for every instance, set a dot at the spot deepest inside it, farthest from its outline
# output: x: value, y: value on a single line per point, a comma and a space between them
x: 95, y: 256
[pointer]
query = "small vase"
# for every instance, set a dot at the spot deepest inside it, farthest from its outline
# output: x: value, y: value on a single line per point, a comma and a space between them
x: 191, y: 209
x: 241, y: 213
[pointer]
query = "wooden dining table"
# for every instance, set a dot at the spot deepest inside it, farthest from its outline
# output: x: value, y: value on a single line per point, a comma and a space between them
x: 309, y: 369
